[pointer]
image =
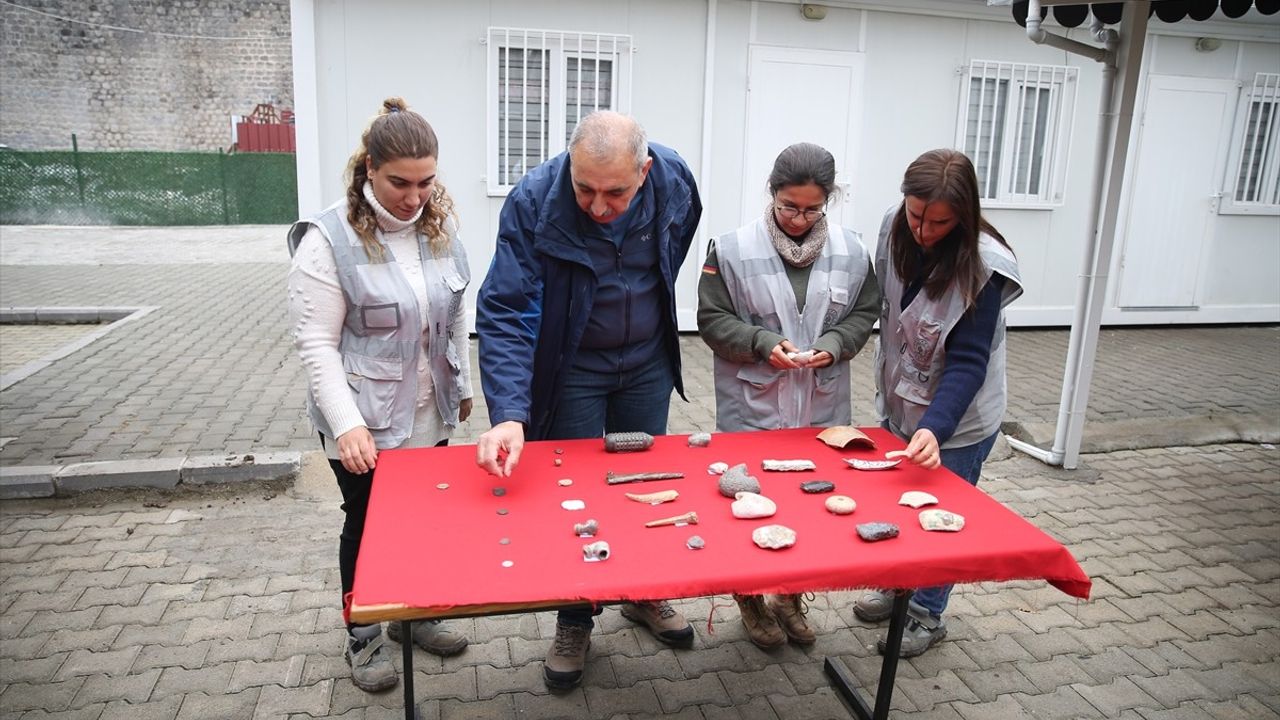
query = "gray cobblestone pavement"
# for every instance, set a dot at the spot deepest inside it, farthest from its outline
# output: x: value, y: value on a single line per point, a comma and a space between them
x: 223, y: 602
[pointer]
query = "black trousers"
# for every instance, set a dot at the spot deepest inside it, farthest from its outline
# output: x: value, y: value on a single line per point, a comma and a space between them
x: 355, y: 504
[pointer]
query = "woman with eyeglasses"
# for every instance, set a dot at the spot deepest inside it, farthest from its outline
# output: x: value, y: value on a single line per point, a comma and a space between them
x: 785, y: 302
x: 947, y: 276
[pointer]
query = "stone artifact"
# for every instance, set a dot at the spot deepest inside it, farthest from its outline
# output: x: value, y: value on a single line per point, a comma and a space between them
x: 874, y: 531
x: 654, y: 498
x: 736, y: 480
x: 695, y: 542
x: 588, y: 528
x: 860, y: 464
x: 499, y: 491
x: 564, y: 482
x: 773, y: 537
x: 917, y: 499
x: 442, y: 486
x: 689, y: 518
x: 573, y: 505
x: 944, y: 520
x: 615, y: 479
x: 843, y: 436
x: 813, y: 487
x: 749, y: 505
x: 800, y: 357
x: 598, y: 550
x: 717, y: 468
x: 700, y: 439
x: 557, y: 462
x: 841, y: 505
x: 788, y: 465
x: 627, y: 442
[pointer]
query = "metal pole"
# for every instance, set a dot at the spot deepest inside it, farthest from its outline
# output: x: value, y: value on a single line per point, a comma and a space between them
x: 75, y: 155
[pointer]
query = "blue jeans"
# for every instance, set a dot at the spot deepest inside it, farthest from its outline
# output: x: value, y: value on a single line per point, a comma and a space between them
x: 967, y: 463
x: 592, y: 404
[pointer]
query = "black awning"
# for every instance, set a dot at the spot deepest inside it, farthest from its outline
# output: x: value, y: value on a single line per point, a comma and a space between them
x: 1169, y: 11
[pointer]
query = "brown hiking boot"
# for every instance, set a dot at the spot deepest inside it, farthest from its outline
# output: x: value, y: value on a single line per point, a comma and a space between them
x: 762, y: 626
x: 567, y: 656
x: 664, y: 621
x: 790, y: 610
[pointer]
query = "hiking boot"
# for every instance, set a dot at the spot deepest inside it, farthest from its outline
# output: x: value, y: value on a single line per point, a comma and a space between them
x: 762, y: 626
x: 433, y: 636
x: 874, y: 605
x: 790, y: 610
x: 922, y: 632
x: 563, y: 667
x: 371, y: 668
x: 663, y: 621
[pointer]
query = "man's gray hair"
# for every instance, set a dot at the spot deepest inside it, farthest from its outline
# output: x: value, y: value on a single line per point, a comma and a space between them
x: 604, y: 134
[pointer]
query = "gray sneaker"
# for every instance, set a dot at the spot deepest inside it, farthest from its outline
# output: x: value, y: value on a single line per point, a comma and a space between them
x: 874, y: 605
x: 433, y: 636
x: 922, y: 632
x: 567, y: 656
x: 371, y: 668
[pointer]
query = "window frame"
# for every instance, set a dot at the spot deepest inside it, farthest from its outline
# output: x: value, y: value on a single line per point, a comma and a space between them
x: 1062, y: 82
x: 1265, y: 89
x: 561, y: 45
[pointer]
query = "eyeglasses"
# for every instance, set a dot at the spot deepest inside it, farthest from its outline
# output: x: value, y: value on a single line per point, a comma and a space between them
x: 791, y: 213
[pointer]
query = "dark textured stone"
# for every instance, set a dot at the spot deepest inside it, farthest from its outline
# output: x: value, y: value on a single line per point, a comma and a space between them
x: 874, y: 531
x: 817, y: 486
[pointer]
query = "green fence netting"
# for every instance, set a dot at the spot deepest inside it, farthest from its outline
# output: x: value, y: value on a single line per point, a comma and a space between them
x: 146, y: 188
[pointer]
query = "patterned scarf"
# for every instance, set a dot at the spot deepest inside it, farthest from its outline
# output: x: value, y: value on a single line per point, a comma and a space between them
x: 795, y: 253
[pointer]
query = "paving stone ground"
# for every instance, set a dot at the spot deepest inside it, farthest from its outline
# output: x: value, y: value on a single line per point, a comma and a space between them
x: 223, y: 602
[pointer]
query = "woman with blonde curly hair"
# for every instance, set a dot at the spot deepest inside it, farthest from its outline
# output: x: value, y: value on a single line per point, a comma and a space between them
x: 375, y: 303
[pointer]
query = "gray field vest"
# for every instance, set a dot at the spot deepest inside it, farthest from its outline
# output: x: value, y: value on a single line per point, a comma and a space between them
x: 758, y: 396
x: 911, y: 347
x: 382, y: 332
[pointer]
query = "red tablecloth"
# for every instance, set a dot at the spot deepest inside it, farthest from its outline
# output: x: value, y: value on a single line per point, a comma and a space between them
x: 430, y: 552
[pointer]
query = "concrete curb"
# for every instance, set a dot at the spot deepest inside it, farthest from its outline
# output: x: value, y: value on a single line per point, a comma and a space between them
x: 37, y: 481
x: 1144, y: 434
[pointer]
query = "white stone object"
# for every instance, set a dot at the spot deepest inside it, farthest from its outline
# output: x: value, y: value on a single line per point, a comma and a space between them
x: 841, y: 505
x: 788, y: 465
x: 935, y: 519
x: 750, y: 505
x: 717, y: 468
x: 917, y: 499
x: 773, y: 537
x: 573, y: 505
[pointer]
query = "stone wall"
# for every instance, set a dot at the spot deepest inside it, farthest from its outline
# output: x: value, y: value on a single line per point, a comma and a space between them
x: 139, y: 74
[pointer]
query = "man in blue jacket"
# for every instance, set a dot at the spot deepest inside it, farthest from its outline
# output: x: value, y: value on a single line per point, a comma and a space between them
x: 577, y: 319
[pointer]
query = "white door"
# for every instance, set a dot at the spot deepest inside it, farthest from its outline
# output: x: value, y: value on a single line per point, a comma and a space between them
x: 1181, y: 146
x: 793, y: 96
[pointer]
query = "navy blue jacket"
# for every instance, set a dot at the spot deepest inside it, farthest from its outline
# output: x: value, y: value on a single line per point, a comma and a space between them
x: 533, y: 305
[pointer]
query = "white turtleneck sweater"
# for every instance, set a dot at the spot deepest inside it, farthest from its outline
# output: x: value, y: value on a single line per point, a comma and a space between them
x: 317, y: 309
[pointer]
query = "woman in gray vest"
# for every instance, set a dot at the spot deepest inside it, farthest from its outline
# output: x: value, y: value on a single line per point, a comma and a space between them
x: 375, y: 302
x: 947, y: 276
x: 785, y: 302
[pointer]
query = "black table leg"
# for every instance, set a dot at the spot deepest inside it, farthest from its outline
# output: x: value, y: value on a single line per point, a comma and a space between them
x: 406, y: 652
x: 845, y: 683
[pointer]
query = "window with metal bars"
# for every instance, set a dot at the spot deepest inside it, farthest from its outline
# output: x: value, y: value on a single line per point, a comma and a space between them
x: 541, y: 83
x: 1015, y: 125
x: 1257, y: 166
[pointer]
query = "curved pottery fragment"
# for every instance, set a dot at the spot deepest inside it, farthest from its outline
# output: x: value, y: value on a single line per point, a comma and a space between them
x: 773, y: 537
x: 935, y: 519
x: 654, y: 498
x: 917, y: 499
x: 843, y: 436
x: 751, y: 505
x: 860, y: 464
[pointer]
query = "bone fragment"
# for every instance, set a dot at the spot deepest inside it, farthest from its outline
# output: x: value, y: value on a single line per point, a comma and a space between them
x: 690, y: 518
x: 615, y: 479
x: 654, y: 498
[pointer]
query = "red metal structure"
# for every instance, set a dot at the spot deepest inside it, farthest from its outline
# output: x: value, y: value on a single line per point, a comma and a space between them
x: 263, y: 131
